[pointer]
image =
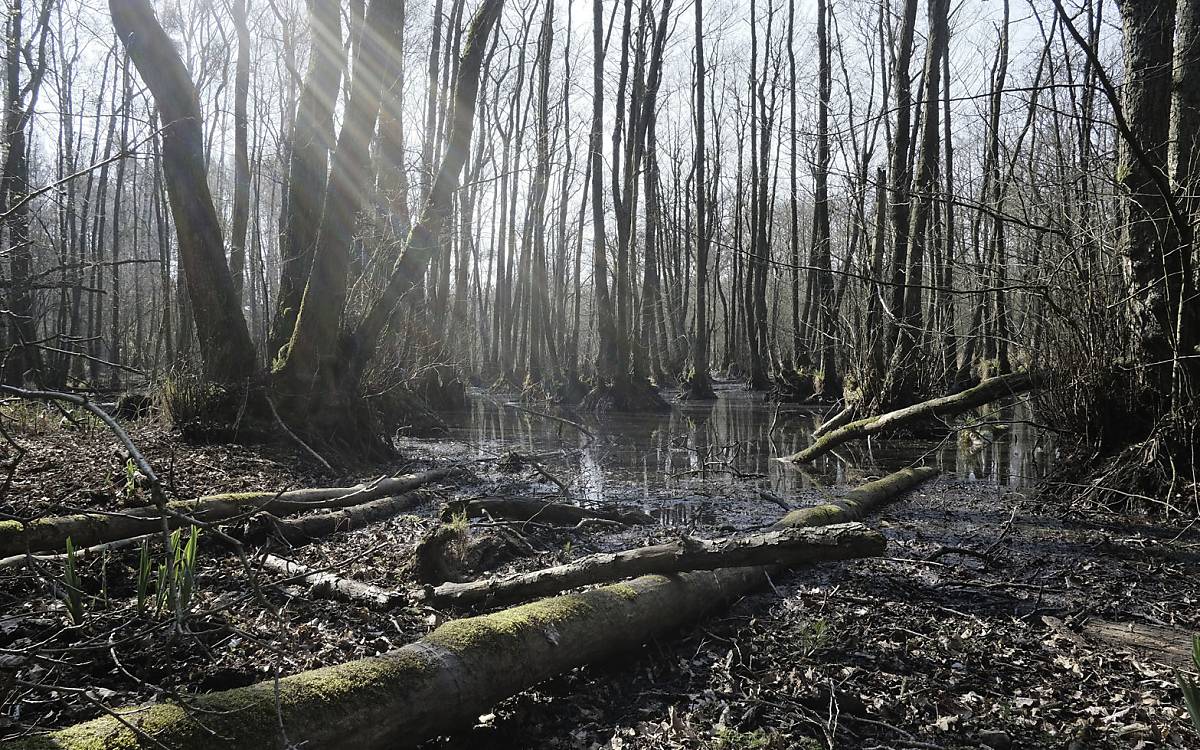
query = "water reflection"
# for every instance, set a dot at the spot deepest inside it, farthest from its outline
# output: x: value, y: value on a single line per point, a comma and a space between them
x: 702, y: 446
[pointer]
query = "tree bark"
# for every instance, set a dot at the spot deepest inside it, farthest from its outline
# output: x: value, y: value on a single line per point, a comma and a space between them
x: 334, y: 586
x: 541, y: 511
x: 298, y: 531
x: 226, y: 351
x: 787, y: 547
x: 89, y: 529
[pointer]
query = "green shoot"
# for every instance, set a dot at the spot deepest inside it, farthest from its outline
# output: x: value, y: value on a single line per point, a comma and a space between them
x: 73, y: 593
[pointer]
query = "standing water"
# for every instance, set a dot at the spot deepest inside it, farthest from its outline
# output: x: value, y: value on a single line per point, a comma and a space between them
x: 739, y: 437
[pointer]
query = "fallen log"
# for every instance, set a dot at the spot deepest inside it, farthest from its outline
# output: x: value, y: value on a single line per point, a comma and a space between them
x: 441, y: 682
x: 989, y: 390
x: 16, y: 561
x: 786, y: 547
x: 318, y: 525
x: 335, y: 586
x: 836, y: 421
x: 855, y: 504
x: 90, y: 529
x: 541, y: 511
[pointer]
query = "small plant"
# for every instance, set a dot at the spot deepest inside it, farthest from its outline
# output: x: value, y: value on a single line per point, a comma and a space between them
x: 176, y: 579
x: 1191, y: 689
x: 163, y: 591
x: 72, y: 591
x: 458, y: 521
x: 145, y: 570
x: 813, y: 636
x: 732, y: 739
x: 131, y: 490
x: 185, y: 569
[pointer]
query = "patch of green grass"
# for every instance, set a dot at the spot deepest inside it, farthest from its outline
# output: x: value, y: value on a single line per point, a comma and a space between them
x: 1191, y: 689
x: 732, y: 739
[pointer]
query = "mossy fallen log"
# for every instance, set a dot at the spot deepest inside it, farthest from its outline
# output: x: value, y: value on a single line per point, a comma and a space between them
x: 857, y: 503
x: 786, y: 547
x: 992, y: 389
x: 90, y: 529
x: 445, y: 680
x: 541, y: 511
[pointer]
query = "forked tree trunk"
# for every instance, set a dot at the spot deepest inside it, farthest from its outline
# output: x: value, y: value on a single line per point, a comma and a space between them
x: 423, y: 240
x: 308, y: 152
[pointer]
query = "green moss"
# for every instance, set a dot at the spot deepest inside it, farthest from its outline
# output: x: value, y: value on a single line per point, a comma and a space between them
x: 623, y: 591
x: 820, y: 515
x: 312, y: 703
x: 500, y: 628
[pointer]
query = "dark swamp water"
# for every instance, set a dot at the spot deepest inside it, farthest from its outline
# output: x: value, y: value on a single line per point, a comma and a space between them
x: 736, y: 441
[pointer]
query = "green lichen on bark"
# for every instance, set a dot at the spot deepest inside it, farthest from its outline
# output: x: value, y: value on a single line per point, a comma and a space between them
x: 311, y: 704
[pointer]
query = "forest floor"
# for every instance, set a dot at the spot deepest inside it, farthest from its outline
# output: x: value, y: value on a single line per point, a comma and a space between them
x: 996, y: 620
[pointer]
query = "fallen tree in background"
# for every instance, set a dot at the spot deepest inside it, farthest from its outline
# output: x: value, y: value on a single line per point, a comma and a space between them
x: 541, y: 511
x: 447, y: 679
x: 90, y: 529
x: 307, y: 528
x: 992, y: 389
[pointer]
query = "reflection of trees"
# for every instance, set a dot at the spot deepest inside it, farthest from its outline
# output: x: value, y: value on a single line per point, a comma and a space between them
x: 708, y: 442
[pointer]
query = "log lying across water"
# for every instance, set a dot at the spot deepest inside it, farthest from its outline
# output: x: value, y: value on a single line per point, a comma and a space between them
x: 447, y: 679
x: 89, y: 529
x: 787, y: 547
x: 992, y: 389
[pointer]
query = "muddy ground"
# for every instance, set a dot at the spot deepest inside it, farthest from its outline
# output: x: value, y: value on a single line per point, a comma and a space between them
x: 997, y: 620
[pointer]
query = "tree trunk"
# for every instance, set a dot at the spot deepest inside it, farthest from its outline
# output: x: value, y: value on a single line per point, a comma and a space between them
x: 88, y: 529
x: 699, y: 385
x: 226, y: 351
x: 541, y: 511
x: 788, y: 547
x: 241, y: 152
x: 308, y: 152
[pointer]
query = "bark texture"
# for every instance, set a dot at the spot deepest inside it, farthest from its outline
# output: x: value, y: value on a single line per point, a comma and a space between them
x: 226, y: 351
x: 542, y: 511
x: 787, y: 547
x: 298, y: 531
